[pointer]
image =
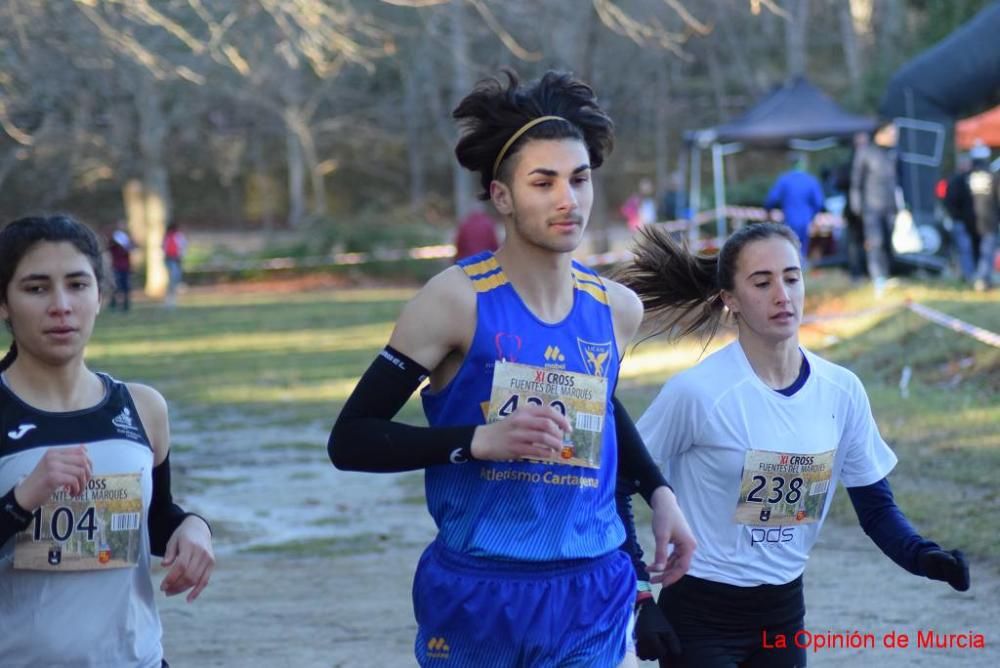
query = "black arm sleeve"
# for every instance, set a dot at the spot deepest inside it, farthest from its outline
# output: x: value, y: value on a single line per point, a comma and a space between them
x: 364, y: 438
x: 13, y: 518
x: 888, y: 528
x: 631, y: 547
x: 164, y: 515
x: 635, y: 466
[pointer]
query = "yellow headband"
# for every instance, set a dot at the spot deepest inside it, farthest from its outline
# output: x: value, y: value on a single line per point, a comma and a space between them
x: 517, y: 135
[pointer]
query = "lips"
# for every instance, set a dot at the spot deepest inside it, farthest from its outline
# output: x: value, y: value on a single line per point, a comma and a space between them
x: 783, y: 316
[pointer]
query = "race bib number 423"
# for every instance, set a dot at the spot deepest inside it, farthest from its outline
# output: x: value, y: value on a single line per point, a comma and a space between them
x: 97, y: 530
x: 581, y: 397
x: 783, y: 488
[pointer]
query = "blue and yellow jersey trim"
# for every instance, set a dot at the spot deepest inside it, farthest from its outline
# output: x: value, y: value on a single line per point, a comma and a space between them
x: 487, y: 274
x: 590, y: 284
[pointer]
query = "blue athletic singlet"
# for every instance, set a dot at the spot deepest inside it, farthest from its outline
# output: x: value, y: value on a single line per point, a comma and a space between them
x: 526, y: 511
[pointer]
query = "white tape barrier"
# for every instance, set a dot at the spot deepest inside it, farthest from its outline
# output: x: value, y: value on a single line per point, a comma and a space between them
x: 956, y: 325
x: 937, y: 317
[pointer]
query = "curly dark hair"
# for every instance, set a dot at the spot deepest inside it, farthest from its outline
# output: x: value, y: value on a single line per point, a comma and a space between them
x: 491, y: 114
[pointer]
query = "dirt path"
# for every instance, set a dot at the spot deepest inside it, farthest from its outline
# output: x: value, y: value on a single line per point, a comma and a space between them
x: 336, y: 607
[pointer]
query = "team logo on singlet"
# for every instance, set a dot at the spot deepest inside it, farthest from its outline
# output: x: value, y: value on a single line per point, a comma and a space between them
x: 124, y: 423
x: 508, y: 346
x: 437, y: 648
x: 595, y: 356
x: 554, y: 358
x: 23, y: 429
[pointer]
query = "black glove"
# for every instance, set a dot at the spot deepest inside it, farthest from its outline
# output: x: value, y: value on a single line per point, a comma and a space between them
x: 949, y: 567
x: 654, y: 636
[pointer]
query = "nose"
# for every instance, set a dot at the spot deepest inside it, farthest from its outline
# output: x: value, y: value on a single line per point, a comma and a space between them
x: 567, y: 198
x: 780, y: 292
x: 60, y: 301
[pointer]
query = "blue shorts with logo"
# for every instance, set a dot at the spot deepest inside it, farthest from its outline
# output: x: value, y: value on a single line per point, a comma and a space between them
x: 486, y: 613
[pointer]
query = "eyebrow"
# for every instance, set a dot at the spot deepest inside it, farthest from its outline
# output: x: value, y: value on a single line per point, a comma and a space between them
x: 765, y: 272
x: 545, y: 171
x: 46, y: 277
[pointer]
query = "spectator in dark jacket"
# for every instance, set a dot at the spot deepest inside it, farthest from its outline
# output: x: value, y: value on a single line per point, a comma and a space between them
x: 958, y: 204
x: 873, y: 191
x: 800, y: 197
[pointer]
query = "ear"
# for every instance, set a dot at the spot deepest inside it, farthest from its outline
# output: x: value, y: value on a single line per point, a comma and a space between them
x: 503, y: 201
x: 731, y: 302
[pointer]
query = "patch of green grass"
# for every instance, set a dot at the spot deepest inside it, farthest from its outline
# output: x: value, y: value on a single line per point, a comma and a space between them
x: 202, y: 481
x: 366, y: 543
x: 332, y: 521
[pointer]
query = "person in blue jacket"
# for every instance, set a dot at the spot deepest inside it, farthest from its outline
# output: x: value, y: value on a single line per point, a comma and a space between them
x: 800, y: 197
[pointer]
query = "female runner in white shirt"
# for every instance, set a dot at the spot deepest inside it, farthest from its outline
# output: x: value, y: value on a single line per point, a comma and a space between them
x: 755, y: 439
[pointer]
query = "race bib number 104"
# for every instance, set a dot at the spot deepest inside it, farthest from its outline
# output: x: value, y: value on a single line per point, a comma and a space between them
x: 581, y: 397
x: 97, y: 530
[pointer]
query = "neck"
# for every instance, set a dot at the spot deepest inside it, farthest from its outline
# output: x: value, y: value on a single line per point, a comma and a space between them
x: 542, y: 278
x: 62, y: 388
x: 776, y: 365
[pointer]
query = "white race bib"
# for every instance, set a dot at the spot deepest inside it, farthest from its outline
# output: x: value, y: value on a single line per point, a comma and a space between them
x: 97, y: 530
x: 783, y: 488
x: 581, y: 397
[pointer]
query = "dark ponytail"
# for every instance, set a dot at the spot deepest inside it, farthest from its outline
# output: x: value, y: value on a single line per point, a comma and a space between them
x: 9, y: 358
x: 678, y: 289
x: 682, y: 291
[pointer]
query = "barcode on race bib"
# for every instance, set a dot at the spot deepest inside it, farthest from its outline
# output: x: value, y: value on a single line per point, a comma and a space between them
x: 124, y: 521
x: 588, y: 422
x: 819, y: 487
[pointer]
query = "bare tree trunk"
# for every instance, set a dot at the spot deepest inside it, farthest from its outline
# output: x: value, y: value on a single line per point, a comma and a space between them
x: 795, y: 38
x: 461, y: 179
x: 662, y: 125
x: 317, y: 180
x: 413, y: 111
x: 849, y: 39
x: 296, y: 171
x: 135, y: 211
x: 599, y: 213
x: 890, y: 25
x: 155, y: 191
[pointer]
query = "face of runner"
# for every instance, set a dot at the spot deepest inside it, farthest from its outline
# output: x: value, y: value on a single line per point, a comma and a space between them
x: 549, y: 196
x: 52, y: 302
x: 768, y: 291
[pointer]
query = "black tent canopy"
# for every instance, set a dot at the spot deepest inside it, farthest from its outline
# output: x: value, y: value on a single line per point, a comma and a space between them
x: 797, y: 110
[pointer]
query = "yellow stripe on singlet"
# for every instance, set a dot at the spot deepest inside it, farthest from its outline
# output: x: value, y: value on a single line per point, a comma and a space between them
x: 590, y: 279
x: 490, y: 282
x: 597, y: 293
x: 480, y: 268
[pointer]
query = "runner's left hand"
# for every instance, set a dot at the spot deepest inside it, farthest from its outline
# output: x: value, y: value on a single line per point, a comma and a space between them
x: 189, y: 557
x: 951, y: 567
x: 654, y: 636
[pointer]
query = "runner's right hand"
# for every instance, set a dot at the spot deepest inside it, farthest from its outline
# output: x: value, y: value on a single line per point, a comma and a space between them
x: 59, y: 468
x: 530, y: 431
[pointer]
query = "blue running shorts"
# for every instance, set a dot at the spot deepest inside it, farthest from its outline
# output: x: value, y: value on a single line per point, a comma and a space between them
x: 485, y: 613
